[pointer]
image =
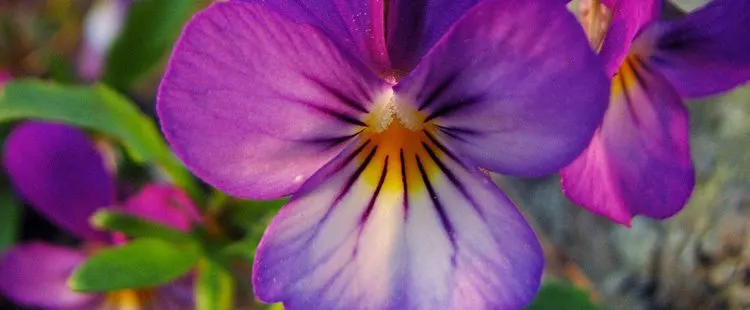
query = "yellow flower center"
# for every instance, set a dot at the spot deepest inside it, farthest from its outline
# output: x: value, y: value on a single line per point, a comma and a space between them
x: 397, y: 142
x: 127, y: 300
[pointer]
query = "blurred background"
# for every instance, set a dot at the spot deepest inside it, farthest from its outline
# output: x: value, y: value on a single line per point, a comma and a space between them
x: 92, y: 51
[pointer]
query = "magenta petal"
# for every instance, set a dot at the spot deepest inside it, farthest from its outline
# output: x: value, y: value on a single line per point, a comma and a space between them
x: 164, y: 204
x: 369, y: 231
x: 4, y: 78
x: 58, y: 170
x: 639, y: 162
x: 513, y: 85
x: 254, y: 103
x: 707, y: 51
x: 628, y: 19
x: 35, y: 275
x: 355, y: 25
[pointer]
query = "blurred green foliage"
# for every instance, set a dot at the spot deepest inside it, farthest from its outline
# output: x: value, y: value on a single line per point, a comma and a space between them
x: 141, y: 263
x: 215, y: 287
x: 149, y: 32
x: 98, y: 108
x: 10, y: 213
x: 556, y: 295
x: 133, y: 226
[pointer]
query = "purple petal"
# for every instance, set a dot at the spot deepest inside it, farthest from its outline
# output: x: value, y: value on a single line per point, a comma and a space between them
x: 355, y: 25
x: 164, y: 204
x: 513, y: 85
x: 628, y: 18
x: 639, y: 161
x: 35, y: 275
x: 255, y: 103
x: 388, y: 228
x: 56, y: 168
x: 414, y: 26
x: 178, y: 295
x: 704, y: 53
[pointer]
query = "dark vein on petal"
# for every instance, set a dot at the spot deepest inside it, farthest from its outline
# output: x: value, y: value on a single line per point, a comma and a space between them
x: 363, y: 219
x: 460, y: 130
x: 371, y: 204
x: 332, y: 141
x: 635, y: 65
x: 339, y: 95
x: 453, y: 107
x: 336, y: 201
x: 443, y: 148
x: 447, y: 226
x: 626, y: 94
x: 403, y: 182
x: 354, y: 176
x: 438, y: 91
x: 338, y: 115
x: 338, y: 198
x: 644, y: 65
x: 452, y: 135
x: 453, y: 179
x: 342, y: 117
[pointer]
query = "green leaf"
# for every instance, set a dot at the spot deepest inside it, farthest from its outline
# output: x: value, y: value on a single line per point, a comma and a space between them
x: 248, y: 213
x: 10, y: 216
x: 252, y: 217
x: 556, y: 295
x: 141, y: 263
x: 215, y: 288
x: 134, y: 226
x: 99, y: 108
x: 150, y: 30
x: 276, y: 306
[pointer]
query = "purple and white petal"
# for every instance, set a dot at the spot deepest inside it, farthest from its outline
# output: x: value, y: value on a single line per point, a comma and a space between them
x: 358, y: 26
x: 254, y: 102
x: 629, y: 17
x: 514, y: 86
x: 704, y: 53
x: 639, y: 161
x: 35, y: 275
x: 383, y: 228
x: 164, y: 204
x: 58, y: 170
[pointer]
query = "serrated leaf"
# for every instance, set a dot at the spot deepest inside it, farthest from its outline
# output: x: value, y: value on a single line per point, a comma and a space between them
x: 150, y: 30
x: 142, y: 263
x: 98, y: 108
x: 215, y: 288
x: 556, y: 295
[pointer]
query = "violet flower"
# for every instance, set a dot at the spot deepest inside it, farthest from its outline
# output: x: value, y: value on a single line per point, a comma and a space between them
x: 639, y: 160
x: 375, y: 116
x: 57, y: 169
